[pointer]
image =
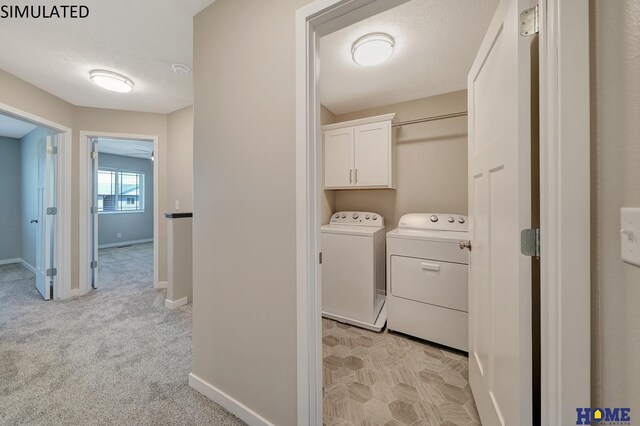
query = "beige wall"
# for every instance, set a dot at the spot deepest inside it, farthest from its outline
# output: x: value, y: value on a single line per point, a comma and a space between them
x: 616, y: 183
x: 244, y: 309
x: 24, y: 96
x: 180, y: 153
x: 431, y: 162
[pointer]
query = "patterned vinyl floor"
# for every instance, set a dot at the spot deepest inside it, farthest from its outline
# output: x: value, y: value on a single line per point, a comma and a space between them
x: 390, y: 379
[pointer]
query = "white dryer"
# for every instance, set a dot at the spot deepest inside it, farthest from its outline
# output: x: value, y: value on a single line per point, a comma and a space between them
x: 427, y: 278
x: 353, y: 269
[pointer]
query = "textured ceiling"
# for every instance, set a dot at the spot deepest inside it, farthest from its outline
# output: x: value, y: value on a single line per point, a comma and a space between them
x: 138, y: 38
x: 128, y: 148
x: 13, y: 128
x: 435, y: 44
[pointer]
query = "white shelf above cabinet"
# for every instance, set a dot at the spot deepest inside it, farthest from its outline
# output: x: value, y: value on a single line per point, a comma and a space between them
x: 360, y: 154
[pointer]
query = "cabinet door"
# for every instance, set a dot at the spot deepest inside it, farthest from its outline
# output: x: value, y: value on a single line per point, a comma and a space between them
x: 372, y: 154
x: 338, y: 158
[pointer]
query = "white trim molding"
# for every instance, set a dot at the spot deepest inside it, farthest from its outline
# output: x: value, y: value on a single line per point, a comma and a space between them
x: 20, y: 261
x: 161, y: 285
x: 175, y: 304
x: 28, y: 266
x: 62, y: 242
x: 565, y: 204
x: 231, y: 404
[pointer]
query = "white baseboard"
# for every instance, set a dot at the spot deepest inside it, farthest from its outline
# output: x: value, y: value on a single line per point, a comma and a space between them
x: 162, y: 284
x: 29, y: 267
x: 232, y: 405
x: 125, y: 243
x: 173, y: 304
x: 10, y: 261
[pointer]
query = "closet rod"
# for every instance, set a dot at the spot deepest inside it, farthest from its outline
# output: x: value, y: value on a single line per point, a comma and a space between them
x: 427, y: 119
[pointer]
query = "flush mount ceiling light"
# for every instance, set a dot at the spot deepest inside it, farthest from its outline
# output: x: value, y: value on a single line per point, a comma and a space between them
x: 181, y: 69
x: 372, y: 49
x: 111, y: 81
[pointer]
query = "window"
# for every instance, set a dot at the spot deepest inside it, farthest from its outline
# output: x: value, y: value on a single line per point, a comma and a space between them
x: 120, y: 191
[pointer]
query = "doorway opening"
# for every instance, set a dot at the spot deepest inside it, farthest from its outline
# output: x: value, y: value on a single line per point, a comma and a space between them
x: 119, y: 230
x: 498, y: 176
x: 394, y: 190
x: 34, y: 239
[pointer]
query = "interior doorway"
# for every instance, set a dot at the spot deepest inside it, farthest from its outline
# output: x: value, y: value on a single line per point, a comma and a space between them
x: 513, y: 400
x: 395, y: 183
x: 121, y: 200
x: 34, y: 242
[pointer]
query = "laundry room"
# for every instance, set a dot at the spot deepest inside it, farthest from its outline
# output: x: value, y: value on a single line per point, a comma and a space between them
x: 394, y: 114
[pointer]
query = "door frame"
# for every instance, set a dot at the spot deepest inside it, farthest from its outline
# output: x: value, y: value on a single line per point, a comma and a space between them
x: 84, y: 213
x: 62, y: 187
x: 564, y: 199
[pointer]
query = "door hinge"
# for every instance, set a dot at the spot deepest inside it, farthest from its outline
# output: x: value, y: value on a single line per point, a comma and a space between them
x: 94, y: 210
x: 530, y: 21
x: 94, y: 155
x: 530, y: 242
x: 52, y: 272
x: 320, y: 258
x: 52, y: 211
x: 52, y: 149
x: 94, y: 264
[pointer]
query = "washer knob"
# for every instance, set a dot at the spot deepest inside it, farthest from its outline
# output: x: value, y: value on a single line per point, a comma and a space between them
x: 451, y: 219
x: 337, y: 216
x: 375, y: 217
x: 461, y: 219
x: 344, y: 215
x: 434, y: 218
x: 355, y: 215
x: 368, y: 217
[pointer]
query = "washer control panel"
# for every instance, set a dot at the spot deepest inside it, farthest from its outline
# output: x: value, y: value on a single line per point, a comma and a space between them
x: 357, y: 218
x: 435, y: 221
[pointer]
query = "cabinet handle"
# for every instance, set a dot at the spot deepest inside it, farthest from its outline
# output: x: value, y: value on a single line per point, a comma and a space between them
x: 356, y: 175
x: 430, y: 266
x: 350, y: 175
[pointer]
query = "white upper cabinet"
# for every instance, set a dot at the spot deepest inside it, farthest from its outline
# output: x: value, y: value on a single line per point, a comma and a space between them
x: 338, y: 153
x: 360, y: 154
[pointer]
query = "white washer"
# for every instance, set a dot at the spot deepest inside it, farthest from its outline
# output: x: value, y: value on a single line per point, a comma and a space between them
x: 427, y: 278
x: 353, y: 269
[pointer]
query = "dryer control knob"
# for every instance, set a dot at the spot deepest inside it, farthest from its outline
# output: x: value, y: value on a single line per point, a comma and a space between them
x: 355, y: 215
x: 461, y: 219
x: 434, y: 218
x: 368, y: 217
x: 451, y: 219
x: 344, y: 215
x: 375, y: 217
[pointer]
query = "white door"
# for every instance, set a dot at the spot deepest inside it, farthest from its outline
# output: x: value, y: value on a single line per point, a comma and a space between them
x: 338, y: 158
x: 372, y: 153
x: 93, y: 234
x: 500, y: 347
x: 44, y: 234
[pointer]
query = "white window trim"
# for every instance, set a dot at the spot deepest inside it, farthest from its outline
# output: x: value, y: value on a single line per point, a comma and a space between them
x: 142, y: 189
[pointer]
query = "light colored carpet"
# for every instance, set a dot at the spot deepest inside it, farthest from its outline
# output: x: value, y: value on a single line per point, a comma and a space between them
x: 114, y: 357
